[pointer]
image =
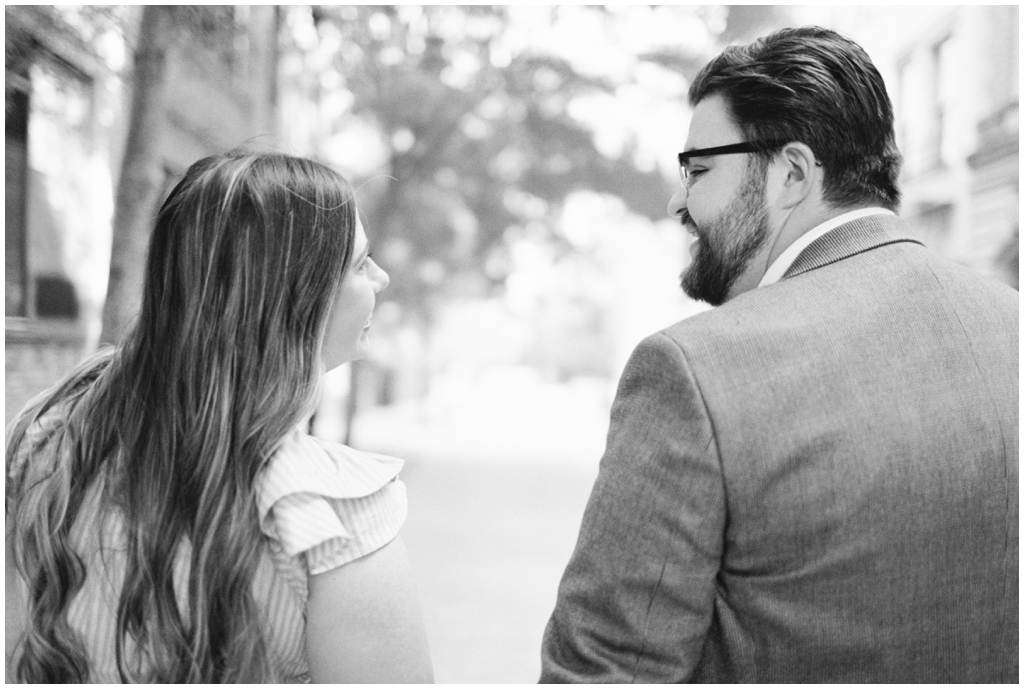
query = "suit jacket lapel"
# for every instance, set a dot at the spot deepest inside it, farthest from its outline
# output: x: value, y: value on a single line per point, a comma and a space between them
x: 854, y: 237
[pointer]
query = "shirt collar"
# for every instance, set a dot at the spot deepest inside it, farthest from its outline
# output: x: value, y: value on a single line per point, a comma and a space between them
x: 781, y: 264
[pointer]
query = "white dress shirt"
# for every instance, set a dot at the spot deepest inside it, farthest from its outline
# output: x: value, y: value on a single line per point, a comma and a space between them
x: 779, y: 267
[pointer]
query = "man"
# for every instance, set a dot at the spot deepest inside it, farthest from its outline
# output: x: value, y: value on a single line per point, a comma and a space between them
x: 816, y: 481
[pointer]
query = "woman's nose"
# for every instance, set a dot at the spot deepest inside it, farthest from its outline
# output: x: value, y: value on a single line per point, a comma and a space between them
x: 380, y: 279
x: 677, y: 203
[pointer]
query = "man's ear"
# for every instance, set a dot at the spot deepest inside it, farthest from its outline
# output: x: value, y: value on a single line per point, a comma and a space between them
x: 802, y: 173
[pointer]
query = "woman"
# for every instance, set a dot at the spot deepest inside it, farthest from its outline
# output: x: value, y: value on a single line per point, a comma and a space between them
x: 167, y: 521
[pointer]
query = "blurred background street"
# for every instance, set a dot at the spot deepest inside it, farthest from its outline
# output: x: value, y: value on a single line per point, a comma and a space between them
x: 489, y: 542
x: 497, y: 484
x: 512, y: 167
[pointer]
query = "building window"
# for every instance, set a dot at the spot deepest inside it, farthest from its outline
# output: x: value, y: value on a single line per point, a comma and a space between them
x: 902, y: 102
x: 15, y: 176
x: 49, y: 115
x: 1004, y: 56
x: 937, y: 145
x: 926, y: 104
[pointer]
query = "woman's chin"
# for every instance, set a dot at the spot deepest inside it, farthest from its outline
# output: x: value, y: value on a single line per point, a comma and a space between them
x: 362, y: 345
x: 357, y: 350
x: 336, y: 363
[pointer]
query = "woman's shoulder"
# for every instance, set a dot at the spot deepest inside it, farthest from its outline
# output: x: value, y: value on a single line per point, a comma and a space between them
x: 303, y: 463
x: 329, y: 501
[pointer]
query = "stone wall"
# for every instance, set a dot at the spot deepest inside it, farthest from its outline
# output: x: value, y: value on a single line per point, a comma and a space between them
x: 37, y: 355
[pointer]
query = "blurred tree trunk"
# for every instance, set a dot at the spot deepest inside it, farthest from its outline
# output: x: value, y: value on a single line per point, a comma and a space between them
x: 142, y: 176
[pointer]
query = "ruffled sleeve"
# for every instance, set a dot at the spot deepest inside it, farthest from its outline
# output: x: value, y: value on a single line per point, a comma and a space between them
x: 329, y: 503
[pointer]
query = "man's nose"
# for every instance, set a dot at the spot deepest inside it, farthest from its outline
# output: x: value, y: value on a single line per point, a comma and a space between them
x: 677, y: 204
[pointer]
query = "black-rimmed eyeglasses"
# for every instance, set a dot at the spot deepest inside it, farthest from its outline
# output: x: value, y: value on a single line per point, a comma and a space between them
x: 742, y: 147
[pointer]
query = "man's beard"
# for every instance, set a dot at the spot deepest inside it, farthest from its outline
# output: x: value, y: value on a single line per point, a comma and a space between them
x: 728, y: 243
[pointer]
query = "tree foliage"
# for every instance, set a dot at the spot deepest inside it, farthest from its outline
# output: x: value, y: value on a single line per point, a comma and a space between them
x: 480, y: 143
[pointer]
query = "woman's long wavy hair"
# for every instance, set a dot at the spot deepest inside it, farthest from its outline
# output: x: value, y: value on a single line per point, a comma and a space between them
x: 246, y: 258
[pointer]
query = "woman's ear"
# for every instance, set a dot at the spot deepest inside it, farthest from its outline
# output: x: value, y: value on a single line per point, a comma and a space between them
x: 802, y: 174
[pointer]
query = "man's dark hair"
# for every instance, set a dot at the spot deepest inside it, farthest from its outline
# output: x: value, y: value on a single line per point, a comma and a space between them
x: 813, y: 86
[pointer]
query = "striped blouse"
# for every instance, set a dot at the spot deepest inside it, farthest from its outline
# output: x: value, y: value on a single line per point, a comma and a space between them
x: 320, y: 504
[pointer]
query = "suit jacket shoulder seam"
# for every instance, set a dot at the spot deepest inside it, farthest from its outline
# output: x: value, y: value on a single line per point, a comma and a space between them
x: 692, y: 374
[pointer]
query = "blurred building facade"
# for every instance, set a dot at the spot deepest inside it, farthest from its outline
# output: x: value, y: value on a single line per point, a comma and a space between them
x: 65, y: 110
x: 953, y: 75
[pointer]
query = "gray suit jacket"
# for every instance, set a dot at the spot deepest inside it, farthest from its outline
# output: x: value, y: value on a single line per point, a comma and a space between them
x: 816, y: 481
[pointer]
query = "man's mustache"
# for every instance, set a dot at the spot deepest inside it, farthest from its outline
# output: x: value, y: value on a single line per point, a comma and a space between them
x: 687, y: 221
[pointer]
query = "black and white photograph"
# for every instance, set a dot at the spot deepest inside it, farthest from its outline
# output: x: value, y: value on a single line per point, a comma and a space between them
x: 512, y: 344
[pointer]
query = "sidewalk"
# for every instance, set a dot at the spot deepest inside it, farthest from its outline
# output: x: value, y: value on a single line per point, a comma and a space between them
x: 489, y: 543
x: 497, y: 486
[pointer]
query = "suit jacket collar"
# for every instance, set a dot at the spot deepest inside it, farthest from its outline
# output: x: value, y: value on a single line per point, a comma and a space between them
x: 854, y: 237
